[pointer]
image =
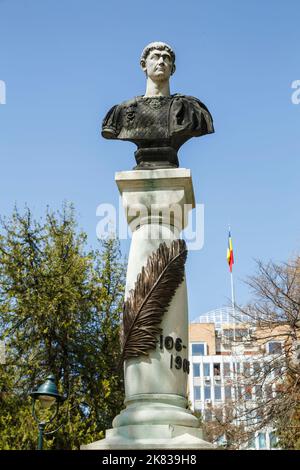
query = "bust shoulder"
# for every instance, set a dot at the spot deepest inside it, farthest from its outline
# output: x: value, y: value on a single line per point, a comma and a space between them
x: 128, y: 103
x: 191, y: 100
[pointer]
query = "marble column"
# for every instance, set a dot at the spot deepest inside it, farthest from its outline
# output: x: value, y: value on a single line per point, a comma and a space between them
x: 156, y: 204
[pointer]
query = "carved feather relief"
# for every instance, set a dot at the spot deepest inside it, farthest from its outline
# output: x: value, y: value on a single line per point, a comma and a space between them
x: 149, y: 300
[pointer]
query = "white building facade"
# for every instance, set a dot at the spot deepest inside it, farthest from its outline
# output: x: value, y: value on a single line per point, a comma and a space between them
x: 219, y: 366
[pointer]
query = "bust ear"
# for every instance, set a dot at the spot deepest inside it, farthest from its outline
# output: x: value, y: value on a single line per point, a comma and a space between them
x: 143, y: 65
x: 173, y: 69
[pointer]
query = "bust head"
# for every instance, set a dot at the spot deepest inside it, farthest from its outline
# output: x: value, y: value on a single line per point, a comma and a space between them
x: 158, y: 61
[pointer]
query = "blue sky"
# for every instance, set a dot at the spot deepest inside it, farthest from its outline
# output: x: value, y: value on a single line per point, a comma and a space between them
x: 66, y: 62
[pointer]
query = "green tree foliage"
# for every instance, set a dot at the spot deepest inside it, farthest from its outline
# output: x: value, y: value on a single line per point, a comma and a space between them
x: 60, y: 307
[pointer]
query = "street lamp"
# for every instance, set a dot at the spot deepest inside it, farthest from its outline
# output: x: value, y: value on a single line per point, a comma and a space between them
x: 48, y: 395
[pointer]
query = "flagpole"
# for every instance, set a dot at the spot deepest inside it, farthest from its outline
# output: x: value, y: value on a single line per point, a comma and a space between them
x: 231, y: 275
x: 232, y: 292
x: 233, y: 346
x: 233, y: 306
x: 232, y: 283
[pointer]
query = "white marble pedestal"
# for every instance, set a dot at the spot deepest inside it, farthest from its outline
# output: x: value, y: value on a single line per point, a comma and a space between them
x: 156, y: 203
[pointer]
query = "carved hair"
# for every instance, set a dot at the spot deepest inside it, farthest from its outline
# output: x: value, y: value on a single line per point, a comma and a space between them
x: 160, y: 46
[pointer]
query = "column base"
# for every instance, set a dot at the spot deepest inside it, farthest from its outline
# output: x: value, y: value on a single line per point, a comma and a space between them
x: 151, y: 436
x: 156, y: 408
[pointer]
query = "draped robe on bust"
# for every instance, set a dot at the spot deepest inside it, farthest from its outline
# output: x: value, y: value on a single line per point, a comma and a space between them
x: 163, y: 121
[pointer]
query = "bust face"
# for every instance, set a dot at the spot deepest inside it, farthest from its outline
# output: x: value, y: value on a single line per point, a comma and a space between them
x: 158, y: 65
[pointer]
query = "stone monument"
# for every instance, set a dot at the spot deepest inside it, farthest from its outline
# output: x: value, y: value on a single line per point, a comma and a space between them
x: 157, y: 196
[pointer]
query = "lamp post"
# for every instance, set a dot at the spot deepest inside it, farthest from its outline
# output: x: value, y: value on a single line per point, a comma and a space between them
x: 48, y: 395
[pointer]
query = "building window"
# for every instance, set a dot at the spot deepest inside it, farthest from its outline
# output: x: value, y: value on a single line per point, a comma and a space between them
x: 226, y: 369
x: 218, y: 395
x: 240, y: 334
x: 227, y: 336
x: 258, y: 391
x: 274, y: 347
x: 196, y: 370
x: 246, y: 369
x: 256, y: 368
x: 267, y: 368
x: 227, y: 392
x: 197, y: 393
x: 207, y: 392
x: 248, y: 393
x: 198, y: 349
x: 262, y: 440
x: 206, y: 369
x: 217, y: 369
x: 269, y: 392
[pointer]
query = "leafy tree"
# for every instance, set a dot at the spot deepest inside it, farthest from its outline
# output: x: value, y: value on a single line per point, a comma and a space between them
x: 60, y: 307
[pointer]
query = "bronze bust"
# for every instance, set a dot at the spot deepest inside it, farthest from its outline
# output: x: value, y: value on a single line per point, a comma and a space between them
x: 158, y: 123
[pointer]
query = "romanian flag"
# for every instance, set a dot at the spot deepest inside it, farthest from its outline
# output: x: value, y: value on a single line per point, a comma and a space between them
x: 230, y: 259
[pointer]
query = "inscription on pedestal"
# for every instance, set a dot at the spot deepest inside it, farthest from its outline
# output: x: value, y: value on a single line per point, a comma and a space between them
x: 176, y: 361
